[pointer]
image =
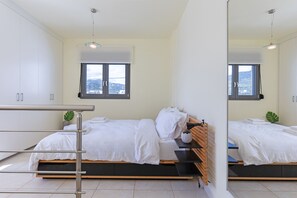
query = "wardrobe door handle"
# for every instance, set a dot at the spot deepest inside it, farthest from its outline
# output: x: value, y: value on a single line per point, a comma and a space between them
x: 17, y: 97
x: 22, y: 97
x: 293, y: 98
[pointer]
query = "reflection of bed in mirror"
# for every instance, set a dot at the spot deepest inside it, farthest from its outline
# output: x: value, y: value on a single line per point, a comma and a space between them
x: 262, y: 151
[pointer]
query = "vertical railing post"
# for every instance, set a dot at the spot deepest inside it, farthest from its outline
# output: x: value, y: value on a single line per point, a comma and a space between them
x: 78, y: 154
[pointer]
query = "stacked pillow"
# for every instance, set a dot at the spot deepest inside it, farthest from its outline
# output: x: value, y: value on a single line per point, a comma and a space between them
x: 170, y: 123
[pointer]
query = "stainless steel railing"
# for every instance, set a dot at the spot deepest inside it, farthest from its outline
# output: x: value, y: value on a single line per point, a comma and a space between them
x: 78, y: 172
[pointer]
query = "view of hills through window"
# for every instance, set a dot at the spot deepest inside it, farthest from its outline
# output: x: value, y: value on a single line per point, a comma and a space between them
x: 245, y: 80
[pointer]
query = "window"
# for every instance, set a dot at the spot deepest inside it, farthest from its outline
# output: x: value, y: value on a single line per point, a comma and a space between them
x: 244, y: 81
x: 105, y: 81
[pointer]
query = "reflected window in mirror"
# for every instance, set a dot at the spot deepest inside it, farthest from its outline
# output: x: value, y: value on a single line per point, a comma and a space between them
x: 244, y: 81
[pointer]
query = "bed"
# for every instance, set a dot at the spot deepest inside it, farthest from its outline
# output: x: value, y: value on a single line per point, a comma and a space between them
x: 121, y: 148
x: 264, y: 151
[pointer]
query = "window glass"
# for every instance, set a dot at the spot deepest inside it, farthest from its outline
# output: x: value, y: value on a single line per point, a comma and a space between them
x: 245, y: 80
x: 230, y: 80
x: 94, y: 79
x: 117, y: 80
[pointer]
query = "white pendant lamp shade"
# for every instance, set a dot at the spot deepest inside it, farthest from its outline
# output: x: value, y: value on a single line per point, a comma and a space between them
x: 93, y: 44
x: 271, y: 46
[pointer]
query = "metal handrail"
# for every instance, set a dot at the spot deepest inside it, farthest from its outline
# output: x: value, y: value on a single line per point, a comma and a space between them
x: 43, y: 192
x: 78, y: 172
x: 40, y: 151
x: 76, y: 108
x: 41, y: 131
x: 46, y: 172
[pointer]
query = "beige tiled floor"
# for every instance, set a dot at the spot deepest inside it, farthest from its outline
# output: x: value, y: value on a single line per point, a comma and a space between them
x: 94, y: 187
x: 263, y: 189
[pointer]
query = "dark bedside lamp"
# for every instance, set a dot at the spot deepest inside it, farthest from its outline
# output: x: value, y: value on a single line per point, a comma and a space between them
x: 186, y: 136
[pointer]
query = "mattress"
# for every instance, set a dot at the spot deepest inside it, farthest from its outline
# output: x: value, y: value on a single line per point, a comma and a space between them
x: 167, y: 148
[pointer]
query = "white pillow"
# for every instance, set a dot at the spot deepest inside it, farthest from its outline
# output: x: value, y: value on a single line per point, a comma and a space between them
x: 170, y: 122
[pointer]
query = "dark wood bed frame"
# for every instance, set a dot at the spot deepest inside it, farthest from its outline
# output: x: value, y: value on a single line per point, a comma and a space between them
x: 124, y: 170
x: 275, y: 171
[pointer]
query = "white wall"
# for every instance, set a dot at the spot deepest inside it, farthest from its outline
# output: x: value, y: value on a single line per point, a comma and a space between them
x: 150, y: 80
x: 242, y: 109
x: 199, y: 59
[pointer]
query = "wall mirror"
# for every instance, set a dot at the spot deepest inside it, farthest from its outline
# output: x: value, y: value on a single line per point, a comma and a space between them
x: 262, y: 80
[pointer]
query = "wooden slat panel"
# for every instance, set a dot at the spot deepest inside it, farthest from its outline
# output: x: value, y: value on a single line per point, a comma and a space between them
x: 200, y: 135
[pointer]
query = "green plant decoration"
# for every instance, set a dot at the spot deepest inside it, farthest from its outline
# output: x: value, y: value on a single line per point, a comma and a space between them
x: 68, y: 116
x: 272, y: 117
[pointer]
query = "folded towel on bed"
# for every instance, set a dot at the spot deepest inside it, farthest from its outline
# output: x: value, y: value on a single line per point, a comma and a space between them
x: 99, y: 119
x: 73, y: 127
x: 256, y: 121
x: 85, y: 131
x: 291, y: 131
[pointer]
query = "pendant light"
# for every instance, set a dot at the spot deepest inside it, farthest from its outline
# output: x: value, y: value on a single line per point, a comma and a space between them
x: 93, y: 44
x: 271, y: 46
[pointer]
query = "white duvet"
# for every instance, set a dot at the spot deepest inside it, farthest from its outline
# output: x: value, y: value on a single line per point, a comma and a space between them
x: 263, y: 143
x: 134, y: 141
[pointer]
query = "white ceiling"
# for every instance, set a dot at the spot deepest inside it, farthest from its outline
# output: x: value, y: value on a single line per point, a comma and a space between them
x: 248, y: 19
x: 115, y: 19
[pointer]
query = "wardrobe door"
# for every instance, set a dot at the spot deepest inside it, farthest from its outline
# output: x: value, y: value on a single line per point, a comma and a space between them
x: 9, y: 56
x: 28, y: 62
x: 288, y: 82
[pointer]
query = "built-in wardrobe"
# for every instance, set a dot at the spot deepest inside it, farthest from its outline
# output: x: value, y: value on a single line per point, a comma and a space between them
x: 288, y: 82
x: 30, y: 74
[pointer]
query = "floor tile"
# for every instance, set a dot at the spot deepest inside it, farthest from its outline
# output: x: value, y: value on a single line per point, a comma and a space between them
x: 4, y: 195
x: 31, y: 195
x: 153, y: 194
x: 113, y: 194
x: 153, y: 185
x: 89, y: 194
x: 286, y: 194
x: 13, y: 180
x: 117, y: 184
x: 190, y: 194
x: 88, y: 184
x: 233, y: 193
x: 246, y: 185
x: 280, y: 186
x: 184, y: 185
x: 52, y: 184
x: 255, y: 194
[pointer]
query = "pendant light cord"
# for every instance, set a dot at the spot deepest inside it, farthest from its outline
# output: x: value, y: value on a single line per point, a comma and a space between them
x: 93, y: 11
x: 271, y: 30
x: 93, y: 25
x: 272, y: 11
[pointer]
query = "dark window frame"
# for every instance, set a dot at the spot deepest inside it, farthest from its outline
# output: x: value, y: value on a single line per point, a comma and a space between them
x: 105, y: 80
x: 256, y: 83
